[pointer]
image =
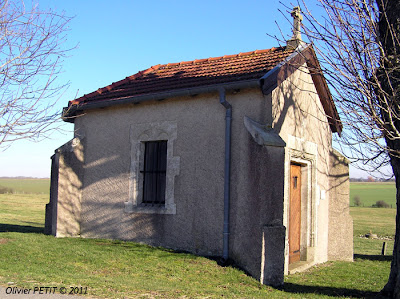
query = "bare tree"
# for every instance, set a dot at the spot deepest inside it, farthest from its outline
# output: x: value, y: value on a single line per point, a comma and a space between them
x: 357, y: 42
x: 31, y: 55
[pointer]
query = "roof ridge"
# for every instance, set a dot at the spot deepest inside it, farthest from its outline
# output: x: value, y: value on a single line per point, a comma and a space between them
x: 217, y: 57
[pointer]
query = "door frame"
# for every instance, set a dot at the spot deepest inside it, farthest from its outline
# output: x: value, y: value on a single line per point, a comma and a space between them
x: 303, y: 153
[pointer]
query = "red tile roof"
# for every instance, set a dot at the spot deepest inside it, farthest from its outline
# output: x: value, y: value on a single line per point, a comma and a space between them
x: 188, y: 74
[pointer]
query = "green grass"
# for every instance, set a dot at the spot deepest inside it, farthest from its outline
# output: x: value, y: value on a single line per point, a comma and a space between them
x: 113, y: 269
x: 117, y: 269
x: 24, y: 211
x: 370, y: 193
x: 380, y: 221
x: 29, y: 186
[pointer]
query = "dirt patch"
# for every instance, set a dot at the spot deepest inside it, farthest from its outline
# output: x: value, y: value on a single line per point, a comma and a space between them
x: 4, y: 241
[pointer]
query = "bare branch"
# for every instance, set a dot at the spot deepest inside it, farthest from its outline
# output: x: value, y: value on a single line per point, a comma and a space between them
x: 31, y: 56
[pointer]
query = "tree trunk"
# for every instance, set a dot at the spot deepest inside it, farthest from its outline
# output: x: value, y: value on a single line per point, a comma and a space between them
x: 392, y: 288
x: 389, y: 34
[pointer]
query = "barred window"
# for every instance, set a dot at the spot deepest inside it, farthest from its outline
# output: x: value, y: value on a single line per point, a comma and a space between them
x: 153, y: 168
x: 154, y: 172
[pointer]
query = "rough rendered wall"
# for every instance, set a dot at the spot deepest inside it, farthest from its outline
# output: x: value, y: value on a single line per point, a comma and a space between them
x: 50, y: 224
x: 257, y: 233
x: 340, y: 221
x: 198, y: 222
x: 69, y: 188
x: 258, y: 236
x: 197, y: 226
x: 299, y: 118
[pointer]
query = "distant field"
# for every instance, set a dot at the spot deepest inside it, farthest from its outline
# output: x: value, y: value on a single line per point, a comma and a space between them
x: 26, y: 186
x: 370, y: 193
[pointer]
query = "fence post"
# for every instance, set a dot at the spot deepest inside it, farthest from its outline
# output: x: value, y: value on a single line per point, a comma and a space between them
x: 384, y: 248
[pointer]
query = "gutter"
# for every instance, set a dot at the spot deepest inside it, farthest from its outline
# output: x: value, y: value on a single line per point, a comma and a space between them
x: 227, y: 172
x: 69, y: 113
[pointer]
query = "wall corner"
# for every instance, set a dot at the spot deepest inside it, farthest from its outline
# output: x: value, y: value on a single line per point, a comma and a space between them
x: 68, y: 187
x: 340, y: 237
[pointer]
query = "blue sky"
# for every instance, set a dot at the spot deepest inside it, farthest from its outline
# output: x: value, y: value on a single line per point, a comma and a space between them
x: 119, y: 38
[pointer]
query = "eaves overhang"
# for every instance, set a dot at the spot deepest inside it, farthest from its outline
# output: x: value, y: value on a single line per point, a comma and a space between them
x: 72, y: 111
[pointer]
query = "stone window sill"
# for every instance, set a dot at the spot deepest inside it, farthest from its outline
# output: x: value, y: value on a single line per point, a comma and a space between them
x: 150, y: 209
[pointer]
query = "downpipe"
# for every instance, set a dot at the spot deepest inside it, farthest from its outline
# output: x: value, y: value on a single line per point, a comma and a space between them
x: 227, y: 173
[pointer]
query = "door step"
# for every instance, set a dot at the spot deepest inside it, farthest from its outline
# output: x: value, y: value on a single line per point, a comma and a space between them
x: 300, y: 266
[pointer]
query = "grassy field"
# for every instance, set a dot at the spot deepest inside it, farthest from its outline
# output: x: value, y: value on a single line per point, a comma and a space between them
x: 116, y: 269
x: 370, y: 193
x: 377, y: 221
x: 29, y: 186
x: 383, y: 223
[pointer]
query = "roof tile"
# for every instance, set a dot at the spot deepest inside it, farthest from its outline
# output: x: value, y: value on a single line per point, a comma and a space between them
x: 186, y: 74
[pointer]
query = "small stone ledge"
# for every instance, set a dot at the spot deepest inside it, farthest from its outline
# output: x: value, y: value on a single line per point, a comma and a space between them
x: 148, y: 209
x: 263, y: 134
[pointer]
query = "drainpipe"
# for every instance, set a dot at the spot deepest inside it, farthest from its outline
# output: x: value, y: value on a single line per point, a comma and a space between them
x: 227, y: 172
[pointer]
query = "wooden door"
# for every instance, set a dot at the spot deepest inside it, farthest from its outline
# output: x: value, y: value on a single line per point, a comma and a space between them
x: 294, y: 213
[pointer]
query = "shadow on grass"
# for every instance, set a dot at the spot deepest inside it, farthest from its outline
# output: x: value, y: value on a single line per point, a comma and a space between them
x: 381, y: 258
x: 328, y: 291
x: 166, y: 253
x: 4, y: 228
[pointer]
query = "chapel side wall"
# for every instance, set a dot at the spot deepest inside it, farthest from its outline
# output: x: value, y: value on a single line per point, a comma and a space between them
x: 340, y: 220
x: 257, y: 233
x: 300, y: 120
x: 70, y: 173
x: 198, y: 223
